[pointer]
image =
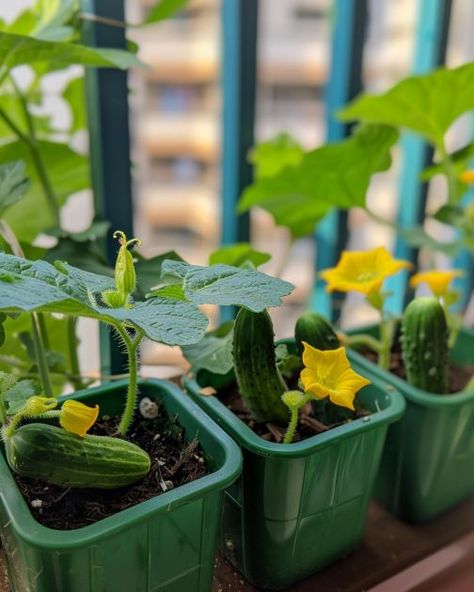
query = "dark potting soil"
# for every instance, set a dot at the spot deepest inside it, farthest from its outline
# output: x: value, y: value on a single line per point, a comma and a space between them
x: 174, y: 462
x: 459, y: 376
x: 308, y: 425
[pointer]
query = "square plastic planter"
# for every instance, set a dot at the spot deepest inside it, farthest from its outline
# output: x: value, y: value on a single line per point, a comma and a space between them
x: 428, y: 462
x: 298, y: 507
x: 165, y: 544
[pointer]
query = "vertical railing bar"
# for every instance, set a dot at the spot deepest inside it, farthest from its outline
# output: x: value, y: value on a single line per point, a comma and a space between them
x: 430, y: 51
x: 238, y: 83
x: 107, y: 110
x: 238, y: 76
x: 345, y: 82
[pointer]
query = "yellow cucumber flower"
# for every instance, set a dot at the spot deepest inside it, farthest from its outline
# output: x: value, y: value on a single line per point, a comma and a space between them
x: 438, y: 280
x: 467, y: 177
x: 362, y: 271
x: 78, y: 418
x: 329, y: 374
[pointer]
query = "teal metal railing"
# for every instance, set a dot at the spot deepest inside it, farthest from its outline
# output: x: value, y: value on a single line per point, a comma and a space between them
x: 107, y: 97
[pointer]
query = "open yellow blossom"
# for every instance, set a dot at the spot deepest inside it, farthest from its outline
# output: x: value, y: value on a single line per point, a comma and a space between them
x: 467, y: 177
x: 329, y: 374
x: 362, y: 271
x: 78, y: 418
x: 438, y: 280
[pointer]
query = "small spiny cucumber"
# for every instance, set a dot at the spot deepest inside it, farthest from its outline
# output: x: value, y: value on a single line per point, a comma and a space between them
x: 260, y: 382
x: 315, y: 330
x: 46, y: 452
x: 424, y: 341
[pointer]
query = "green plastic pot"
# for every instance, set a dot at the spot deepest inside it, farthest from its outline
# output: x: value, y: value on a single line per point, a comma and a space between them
x: 165, y: 544
x: 428, y: 461
x: 298, y: 507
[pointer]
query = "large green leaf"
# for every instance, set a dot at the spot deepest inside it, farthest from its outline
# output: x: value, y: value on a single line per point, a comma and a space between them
x: 238, y: 254
x: 13, y: 184
x: 53, y: 18
x: 68, y: 172
x: 336, y: 175
x: 16, y: 50
x: 10, y: 104
x: 85, y: 255
x: 28, y: 286
x: 16, y: 397
x: 149, y: 270
x: 226, y: 285
x: 74, y: 95
x: 270, y: 157
x: 46, y: 19
x: 213, y: 352
x: 164, y: 9
x: 428, y: 104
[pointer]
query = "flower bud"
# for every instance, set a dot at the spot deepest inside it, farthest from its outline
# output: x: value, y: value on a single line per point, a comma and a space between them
x: 37, y: 405
x: 125, y: 276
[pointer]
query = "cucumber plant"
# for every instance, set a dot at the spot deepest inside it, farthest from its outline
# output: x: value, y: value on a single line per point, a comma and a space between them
x: 168, y: 314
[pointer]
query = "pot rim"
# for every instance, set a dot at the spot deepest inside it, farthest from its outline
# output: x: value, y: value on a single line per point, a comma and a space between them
x: 26, y: 526
x: 412, y: 393
x: 251, y: 441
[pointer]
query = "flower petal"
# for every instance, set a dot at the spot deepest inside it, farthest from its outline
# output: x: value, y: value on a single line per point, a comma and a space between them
x: 362, y: 271
x: 78, y: 418
x: 438, y: 280
x: 328, y: 373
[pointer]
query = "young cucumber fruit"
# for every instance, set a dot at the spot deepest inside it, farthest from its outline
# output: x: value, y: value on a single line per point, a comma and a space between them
x: 260, y: 382
x: 315, y: 330
x: 424, y: 342
x: 50, y: 453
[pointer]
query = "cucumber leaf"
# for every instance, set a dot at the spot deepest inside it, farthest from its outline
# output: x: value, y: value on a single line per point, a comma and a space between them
x: 16, y: 397
x: 213, y: 352
x: 74, y: 95
x: 149, y: 270
x: 164, y: 9
x: 16, y: 50
x: 68, y: 172
x: 37, y: 285
x: 335, y: 175
x: 272, y: 156
x: 226, y: 285
x: 238, y: 255
x: 13, y: 184
x: 427, y: 104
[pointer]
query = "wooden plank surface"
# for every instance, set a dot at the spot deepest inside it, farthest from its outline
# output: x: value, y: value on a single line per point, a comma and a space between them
x: 389, y: 547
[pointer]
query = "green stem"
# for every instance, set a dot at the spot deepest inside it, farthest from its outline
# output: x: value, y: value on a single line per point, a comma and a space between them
x: 41, y: 360
x: 74, y: 367
x: 291, y: 429
x: 132, y: 348
x: 40, y: 337
x: 386, y: 337
x: 38, y: 162
x: 449, y: 171
x: 43, y: 330
x: 3, y: 411
x: 9, y: 429
x: 362, y: 340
